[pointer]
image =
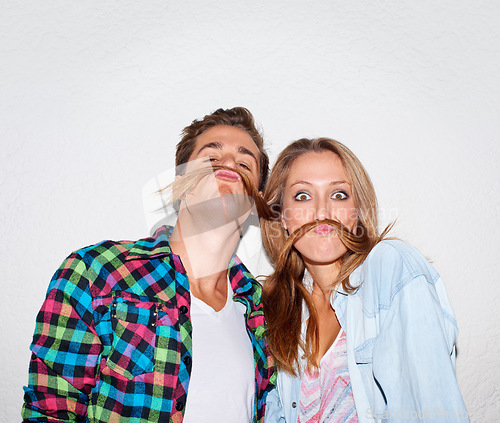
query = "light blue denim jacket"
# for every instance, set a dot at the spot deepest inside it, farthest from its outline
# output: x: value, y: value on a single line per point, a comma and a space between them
x: 401, y: 334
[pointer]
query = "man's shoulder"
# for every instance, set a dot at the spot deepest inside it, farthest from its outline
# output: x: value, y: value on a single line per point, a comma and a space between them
x: 105, y: 250
x: 110, y: 250
x: 114, y: 265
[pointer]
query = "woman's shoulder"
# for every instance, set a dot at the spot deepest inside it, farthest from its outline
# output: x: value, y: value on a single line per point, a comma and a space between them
x: 394, y: 253
x: 393, y: 263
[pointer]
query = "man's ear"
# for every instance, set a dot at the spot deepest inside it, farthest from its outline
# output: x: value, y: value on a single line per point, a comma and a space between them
x: 254, y: 210
x: 283, y: 223
x: 177, y: 203
x: 175, y: 180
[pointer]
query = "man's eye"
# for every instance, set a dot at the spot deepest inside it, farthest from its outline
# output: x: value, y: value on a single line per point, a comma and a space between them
x: 302, y: 196
x: 340, y: 195
x: 244, y: 166
x: 210, y: 159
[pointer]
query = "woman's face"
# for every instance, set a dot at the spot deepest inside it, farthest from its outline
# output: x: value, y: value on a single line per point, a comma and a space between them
x: 317, y: 188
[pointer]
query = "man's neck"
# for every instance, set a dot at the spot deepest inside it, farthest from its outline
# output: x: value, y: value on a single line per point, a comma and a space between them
x: 206, y: 256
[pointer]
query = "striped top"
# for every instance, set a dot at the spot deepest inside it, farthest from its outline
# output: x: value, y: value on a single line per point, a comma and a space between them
x: 326, y: 394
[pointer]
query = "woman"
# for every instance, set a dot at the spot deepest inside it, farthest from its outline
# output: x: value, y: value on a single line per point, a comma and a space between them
x: 360, y: 326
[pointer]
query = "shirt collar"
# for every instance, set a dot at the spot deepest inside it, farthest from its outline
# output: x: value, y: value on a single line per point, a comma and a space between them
x: 241, y: 279
x: 307, y: 281
x: 158, y: 245
x: 152, y: 247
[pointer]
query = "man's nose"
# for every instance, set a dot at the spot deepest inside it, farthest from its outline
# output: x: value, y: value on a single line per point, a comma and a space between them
x: 229, y: 161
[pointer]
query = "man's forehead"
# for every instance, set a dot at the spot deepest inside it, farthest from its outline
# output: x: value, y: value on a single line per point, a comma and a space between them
x: 227, y: 138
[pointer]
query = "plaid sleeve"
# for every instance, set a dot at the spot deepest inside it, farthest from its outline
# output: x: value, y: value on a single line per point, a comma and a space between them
x: 65, y: 349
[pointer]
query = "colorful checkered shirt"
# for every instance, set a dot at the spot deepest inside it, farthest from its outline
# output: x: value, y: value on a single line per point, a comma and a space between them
x: 113, y: 338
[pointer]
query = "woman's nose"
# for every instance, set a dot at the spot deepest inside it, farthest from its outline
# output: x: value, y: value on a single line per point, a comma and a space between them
x: 322, y: 211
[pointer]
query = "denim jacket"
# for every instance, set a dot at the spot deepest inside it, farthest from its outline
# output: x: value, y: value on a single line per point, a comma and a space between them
x: 401, y: 334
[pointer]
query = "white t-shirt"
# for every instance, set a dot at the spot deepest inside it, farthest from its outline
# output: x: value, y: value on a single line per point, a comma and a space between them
x: 222, y: 383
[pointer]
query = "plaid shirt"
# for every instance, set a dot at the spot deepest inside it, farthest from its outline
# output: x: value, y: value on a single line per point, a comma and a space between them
x: 113, y: 338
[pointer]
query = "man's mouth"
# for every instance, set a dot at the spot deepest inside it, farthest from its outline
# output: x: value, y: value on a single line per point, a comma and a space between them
x: 323, y: 229
x: 227, y: 175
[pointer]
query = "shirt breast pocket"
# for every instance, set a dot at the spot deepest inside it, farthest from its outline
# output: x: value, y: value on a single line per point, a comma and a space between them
x: 363, y: 356
x: 133, y: 338
x: 364, y: 353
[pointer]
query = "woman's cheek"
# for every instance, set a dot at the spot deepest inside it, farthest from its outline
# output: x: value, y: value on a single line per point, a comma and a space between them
x: 348, y: 217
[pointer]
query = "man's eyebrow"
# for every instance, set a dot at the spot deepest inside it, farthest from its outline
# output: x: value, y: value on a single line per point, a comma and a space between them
x: 214, y: 144
x: 244, y: 150
x: 218, y: 146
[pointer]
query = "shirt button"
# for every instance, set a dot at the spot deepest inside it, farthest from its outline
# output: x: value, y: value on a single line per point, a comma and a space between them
x: 179, y: 406
x: 294, y: 404
x: 153, y: 324
x: 183, y: 309
x: 187, y: 360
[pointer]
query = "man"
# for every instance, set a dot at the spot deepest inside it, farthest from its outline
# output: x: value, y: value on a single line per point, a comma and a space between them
x: 168, y: 328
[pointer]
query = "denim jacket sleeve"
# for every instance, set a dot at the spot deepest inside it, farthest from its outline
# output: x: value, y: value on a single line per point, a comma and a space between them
x: 274, y: 409
x: 413, y: 354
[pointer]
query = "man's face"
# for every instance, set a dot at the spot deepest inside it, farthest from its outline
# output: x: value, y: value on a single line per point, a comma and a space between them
x: 223, y: 193
x: 232, y: 147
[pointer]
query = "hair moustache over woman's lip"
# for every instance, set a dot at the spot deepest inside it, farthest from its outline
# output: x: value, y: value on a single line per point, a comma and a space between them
x: 353, y: 242
x: 323, y: 229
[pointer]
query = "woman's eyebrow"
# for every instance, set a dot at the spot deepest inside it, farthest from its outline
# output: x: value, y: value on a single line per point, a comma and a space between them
x: 339, y: 183
x: 331, y: 183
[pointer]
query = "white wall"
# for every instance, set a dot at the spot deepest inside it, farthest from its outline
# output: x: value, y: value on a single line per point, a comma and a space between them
x: 94, y: 94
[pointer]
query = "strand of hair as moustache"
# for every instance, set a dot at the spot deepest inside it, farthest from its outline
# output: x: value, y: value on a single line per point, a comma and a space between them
x: 356, y: 243
x: 187, y: 182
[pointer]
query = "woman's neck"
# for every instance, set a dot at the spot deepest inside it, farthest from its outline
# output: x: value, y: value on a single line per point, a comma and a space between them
x: 324, y: 277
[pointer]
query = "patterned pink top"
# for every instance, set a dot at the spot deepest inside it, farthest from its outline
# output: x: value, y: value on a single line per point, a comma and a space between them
x: 326, y: 394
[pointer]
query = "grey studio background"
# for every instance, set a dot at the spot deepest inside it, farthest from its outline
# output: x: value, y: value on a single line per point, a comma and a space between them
x: 93, y: 96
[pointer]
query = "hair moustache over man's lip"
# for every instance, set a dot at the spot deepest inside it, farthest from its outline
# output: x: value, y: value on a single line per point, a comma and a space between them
x: 262, y: 207
x: 227, y: 175
x: 188, y: 181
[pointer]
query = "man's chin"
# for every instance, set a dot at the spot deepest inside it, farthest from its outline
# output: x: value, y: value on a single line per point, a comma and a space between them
x: 220, y: 211
x: 225, y: 189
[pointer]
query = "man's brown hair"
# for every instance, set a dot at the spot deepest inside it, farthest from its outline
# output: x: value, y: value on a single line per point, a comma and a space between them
x: 239, y: 117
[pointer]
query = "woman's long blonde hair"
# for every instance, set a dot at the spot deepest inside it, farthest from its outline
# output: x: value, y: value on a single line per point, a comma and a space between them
x: 283, y: 292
